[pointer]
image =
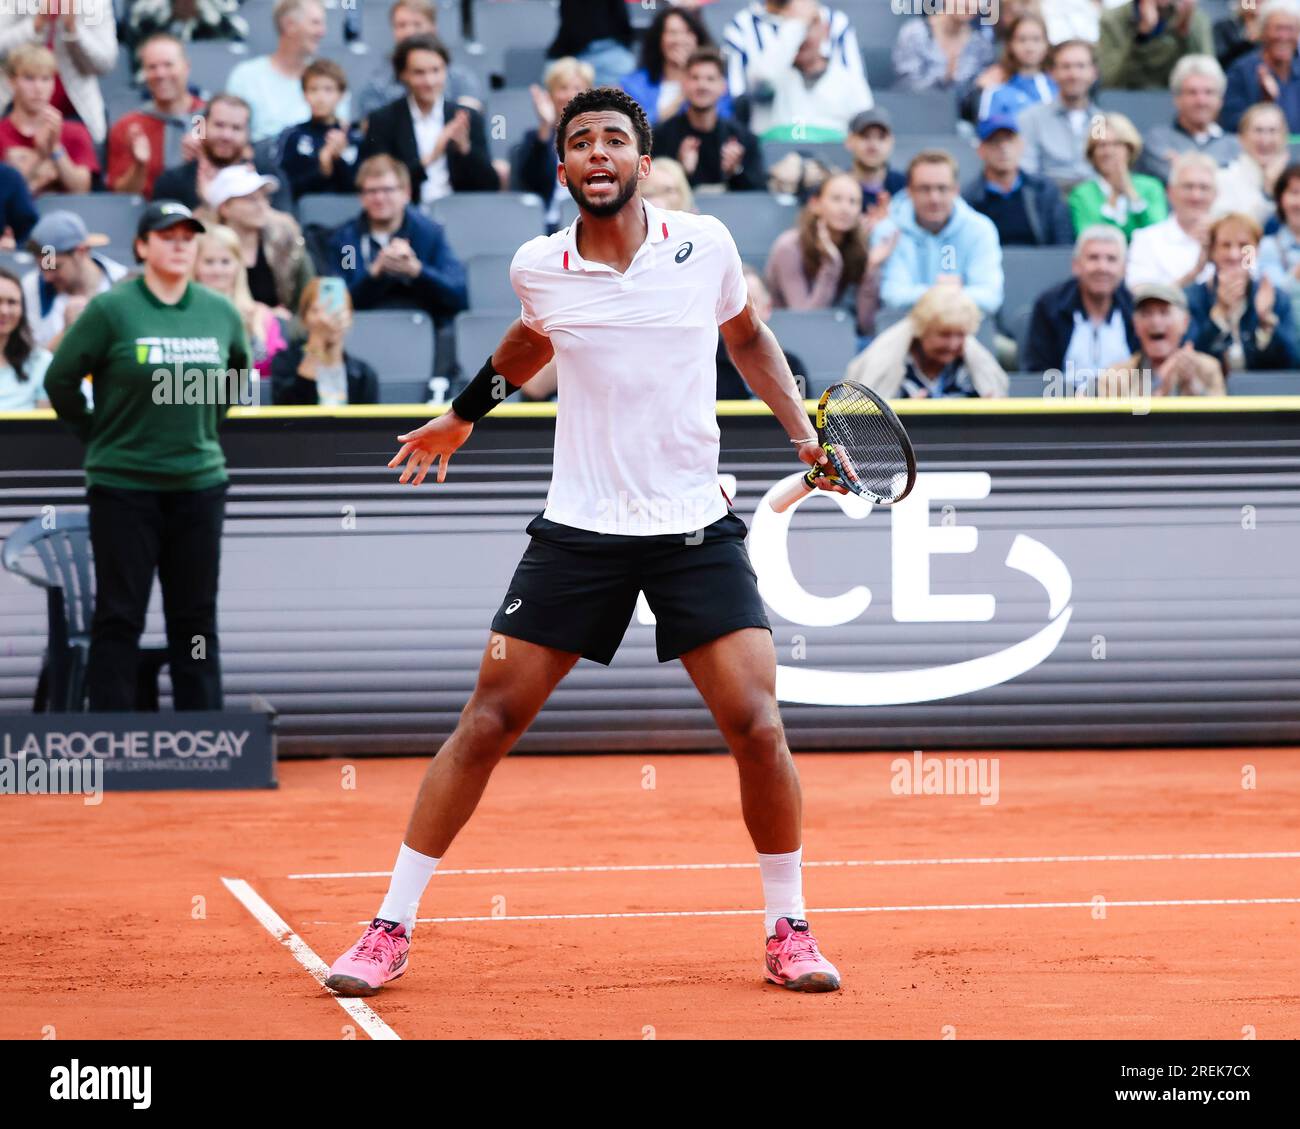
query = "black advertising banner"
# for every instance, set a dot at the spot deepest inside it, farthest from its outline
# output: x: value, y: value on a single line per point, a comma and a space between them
x: 1064, y: 574
x: 90, y: 753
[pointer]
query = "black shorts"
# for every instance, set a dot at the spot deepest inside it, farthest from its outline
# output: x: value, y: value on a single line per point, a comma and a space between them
x: 576, y: 590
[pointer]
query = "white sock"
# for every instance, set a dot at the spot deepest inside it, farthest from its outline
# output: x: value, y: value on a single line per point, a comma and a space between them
x: 782, y: 887
x: 411, y: 874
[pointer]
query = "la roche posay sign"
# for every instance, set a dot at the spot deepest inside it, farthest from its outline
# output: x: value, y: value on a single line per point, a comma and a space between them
x: 914, y: 541
x: 200, y: 749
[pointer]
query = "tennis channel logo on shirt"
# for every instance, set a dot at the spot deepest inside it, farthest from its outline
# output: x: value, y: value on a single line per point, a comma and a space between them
x: 178, y: 350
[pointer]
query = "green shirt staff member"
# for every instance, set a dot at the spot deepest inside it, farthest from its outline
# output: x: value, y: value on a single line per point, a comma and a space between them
x: 166, y: 357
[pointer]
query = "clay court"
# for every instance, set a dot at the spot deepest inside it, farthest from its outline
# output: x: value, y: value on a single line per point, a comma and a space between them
x: 580, y: 904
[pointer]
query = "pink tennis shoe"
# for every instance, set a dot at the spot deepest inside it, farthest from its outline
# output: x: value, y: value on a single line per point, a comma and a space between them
x: 794, y: 962
x: 375, y: 960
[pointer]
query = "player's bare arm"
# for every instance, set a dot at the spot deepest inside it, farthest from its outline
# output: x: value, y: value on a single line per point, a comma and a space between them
x: 520, y: 356
x: 759, y: 359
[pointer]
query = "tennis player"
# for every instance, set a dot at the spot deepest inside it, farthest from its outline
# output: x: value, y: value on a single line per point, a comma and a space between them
x: 629, y: 300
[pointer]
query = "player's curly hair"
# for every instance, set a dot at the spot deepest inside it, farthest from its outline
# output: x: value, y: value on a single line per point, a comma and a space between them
x: 605, y: 98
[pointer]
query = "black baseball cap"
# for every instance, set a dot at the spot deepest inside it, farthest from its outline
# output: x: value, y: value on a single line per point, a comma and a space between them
x: 877, y: 116
x: 162, y: 214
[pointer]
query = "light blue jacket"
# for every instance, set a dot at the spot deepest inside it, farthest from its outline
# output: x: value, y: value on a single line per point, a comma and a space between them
x: 966, y: 245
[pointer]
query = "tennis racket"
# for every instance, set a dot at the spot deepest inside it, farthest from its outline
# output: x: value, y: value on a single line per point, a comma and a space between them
x: 866, y: 445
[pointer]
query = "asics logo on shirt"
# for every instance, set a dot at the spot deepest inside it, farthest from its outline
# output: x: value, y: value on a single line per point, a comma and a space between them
x: 684, y: 252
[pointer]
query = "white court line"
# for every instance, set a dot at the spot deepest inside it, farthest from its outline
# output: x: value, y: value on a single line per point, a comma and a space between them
x: 274, y: 924
x: 866, y: 909
x: 850, y: 862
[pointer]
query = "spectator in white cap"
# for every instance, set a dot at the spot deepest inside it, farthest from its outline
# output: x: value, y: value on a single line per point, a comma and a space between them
x: 70, y: 275
x: 275, y: 253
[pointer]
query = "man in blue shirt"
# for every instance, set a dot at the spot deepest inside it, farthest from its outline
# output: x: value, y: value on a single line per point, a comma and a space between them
x: 1027, y: 210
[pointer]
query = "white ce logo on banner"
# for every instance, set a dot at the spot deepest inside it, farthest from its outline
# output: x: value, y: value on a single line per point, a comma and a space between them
x: 914, y: 540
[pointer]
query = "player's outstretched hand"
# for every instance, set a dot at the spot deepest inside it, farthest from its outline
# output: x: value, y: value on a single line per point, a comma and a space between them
x: 815, y: 456
x: 438, y: 439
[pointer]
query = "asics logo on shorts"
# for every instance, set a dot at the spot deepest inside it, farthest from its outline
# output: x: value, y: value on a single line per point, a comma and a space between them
x: 513, y: 606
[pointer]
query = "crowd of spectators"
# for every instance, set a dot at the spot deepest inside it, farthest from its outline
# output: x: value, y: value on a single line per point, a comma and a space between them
x: 1184, y: 235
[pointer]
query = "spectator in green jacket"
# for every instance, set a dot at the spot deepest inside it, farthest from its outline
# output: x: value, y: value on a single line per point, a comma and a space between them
x: 1142, y: 41
x: 1116, y: 194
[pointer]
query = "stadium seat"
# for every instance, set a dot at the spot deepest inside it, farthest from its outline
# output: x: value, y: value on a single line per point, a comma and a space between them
x: 510, y: 114
x: 489, y: 284
x: 874, y: 21
x: 1264, y: 384
x: 489, y: 223
x: 1027, y: 272
x: 328, y: 210
x: 931, y: 111
x: 718, y: 14
x: 1146, y: 109
x: 754, y: 219
x: 909, y: 144
x: 878, y: 61
x: 211, y: 62
x: 17, y: 262
x: 478, y: 335
x: 505, y: 24
x: 829, y: 153
x: 824, y: 340
x: 398, y: 345
x: 524, y: 65
x: 105, y: 213
x: 1025, y: 385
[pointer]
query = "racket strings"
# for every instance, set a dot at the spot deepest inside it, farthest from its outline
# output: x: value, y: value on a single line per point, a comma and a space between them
x: 868, y: 448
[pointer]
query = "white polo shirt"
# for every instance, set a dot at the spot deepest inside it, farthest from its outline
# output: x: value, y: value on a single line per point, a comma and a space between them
x: 636, y: 429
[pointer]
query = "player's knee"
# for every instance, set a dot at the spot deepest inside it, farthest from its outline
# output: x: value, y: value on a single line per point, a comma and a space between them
x: 758, y: 737
x: 490, y: 728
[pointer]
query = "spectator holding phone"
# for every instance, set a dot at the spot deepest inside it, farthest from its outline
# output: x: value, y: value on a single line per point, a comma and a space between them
x: 319, y: 370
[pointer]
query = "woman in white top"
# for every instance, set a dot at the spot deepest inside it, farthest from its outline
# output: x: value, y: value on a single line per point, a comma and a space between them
x: 22, y: 363
x: 1247, y: 184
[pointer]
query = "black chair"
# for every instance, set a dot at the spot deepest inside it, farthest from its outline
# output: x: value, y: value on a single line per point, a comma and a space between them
x: 68, y: 578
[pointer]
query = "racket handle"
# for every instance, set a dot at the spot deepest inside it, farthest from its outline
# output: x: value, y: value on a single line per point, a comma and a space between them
x: 792, y: 493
